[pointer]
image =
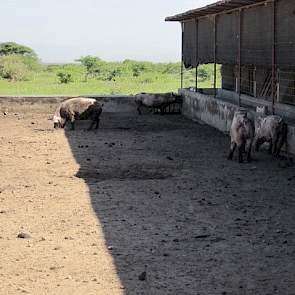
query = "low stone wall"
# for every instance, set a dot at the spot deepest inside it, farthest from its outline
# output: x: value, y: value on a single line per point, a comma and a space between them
x: 205, y: 108
x: 219, y: 113
x: 112, y: 103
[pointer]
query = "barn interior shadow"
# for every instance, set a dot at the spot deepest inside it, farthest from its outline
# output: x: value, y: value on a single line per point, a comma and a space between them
x: 171, y: 205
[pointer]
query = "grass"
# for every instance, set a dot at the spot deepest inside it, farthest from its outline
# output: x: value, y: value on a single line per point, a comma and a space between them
x: 152, y: 78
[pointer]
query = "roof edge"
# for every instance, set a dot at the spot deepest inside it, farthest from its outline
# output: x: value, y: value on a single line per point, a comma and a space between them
x: 214, y: 8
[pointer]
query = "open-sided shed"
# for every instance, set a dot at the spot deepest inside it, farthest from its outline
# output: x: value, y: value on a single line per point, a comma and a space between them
x: 254, y: 41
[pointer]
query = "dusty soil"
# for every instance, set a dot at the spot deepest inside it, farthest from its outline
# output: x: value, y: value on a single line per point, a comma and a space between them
x: 144, y: 193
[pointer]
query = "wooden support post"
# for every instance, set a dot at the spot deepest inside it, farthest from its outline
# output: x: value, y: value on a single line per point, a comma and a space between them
x: 197, y: 53
x: 254, y: 83
x: 215, y: 91
x: 239, y: 54
x: 278, y: 86
x: 181, y: 67
x: 273, y: 75
x: 196, y: 86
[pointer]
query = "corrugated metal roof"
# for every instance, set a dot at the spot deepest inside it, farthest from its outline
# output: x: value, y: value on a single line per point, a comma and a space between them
x: 217, y: 7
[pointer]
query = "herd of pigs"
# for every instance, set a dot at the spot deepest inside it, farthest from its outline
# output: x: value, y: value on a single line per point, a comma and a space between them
x: 244, y: 132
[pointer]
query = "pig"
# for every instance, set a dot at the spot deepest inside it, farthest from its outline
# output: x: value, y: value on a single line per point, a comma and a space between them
x: 155, y: 100
x: 270, y: 129
x: 241, y: 134
x: 77, y: 108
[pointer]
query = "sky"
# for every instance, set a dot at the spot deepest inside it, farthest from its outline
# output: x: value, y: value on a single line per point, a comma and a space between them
x: 63, y: 30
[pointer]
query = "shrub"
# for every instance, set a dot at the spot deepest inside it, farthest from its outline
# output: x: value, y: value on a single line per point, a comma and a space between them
x: 137, y: 69
x: 14, y: 68
x: 64, y: 78
x: 113, y: 74
x: 136, y: 72
x: 203, y: 75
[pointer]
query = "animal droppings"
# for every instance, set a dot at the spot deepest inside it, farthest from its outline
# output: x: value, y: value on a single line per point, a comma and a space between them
x: 23, y: 236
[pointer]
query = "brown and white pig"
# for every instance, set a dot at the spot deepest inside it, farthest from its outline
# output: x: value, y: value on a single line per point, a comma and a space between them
x: 271, y: 129
x: 241, y: 134
x: 77, y: 108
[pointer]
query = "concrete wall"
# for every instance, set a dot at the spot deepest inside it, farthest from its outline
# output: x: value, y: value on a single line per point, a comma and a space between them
x: 112, y: 103
x: 115, y: 103
x: 205, y: 108
x: 219, y: 113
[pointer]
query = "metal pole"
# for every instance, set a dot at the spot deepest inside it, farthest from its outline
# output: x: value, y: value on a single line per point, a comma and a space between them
x: 197, y: 53
x: 215, y: 92
x: 254, y: 82
x: 239, y: 55
x: 278, y: 86
x: 181, y: 69
x: 273, y: 75
x: 197, y: 78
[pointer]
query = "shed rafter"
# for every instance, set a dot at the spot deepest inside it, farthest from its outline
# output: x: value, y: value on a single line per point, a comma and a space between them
x: 222, y: 6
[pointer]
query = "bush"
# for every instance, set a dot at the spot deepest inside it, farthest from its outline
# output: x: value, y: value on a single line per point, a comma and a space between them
x: 14, y: 68
x: 111, y: 76
x: 203, y: 75
x: 92, y: 65
x: 137, y: 69
x: 64, y: 78
x: 136, y: 72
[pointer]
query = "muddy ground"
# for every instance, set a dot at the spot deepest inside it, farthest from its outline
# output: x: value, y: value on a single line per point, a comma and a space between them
x: 144, y: 193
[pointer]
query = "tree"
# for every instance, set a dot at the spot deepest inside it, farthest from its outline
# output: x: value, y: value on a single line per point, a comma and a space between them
x: 12, y: 48
x: 91, y: 63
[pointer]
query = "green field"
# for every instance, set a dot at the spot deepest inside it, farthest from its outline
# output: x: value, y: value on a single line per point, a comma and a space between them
x: 128, y: 77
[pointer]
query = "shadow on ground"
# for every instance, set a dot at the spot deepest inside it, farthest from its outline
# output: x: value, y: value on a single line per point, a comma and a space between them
x: 171, y: 203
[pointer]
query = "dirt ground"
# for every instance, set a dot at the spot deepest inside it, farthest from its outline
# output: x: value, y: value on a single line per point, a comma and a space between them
x: 144, y: 193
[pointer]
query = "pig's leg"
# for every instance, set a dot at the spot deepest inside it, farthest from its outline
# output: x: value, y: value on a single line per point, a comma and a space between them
x: 233, y: 146
x: 282, y: 138
x: 139, y: 108
x: 91, y: 125
x: 72, y: 119
x: 241, y: 148
x: 280, y: 144
x: 97, y: 123
x: 256, y: 143
x: 275, y: 143
x: 62, y: 125
x: 248, y: 148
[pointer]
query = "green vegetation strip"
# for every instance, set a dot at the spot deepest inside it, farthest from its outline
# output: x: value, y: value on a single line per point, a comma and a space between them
x: 21, y: 73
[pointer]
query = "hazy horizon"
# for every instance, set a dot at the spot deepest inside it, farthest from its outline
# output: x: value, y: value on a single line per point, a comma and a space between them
x: 61, y: 32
